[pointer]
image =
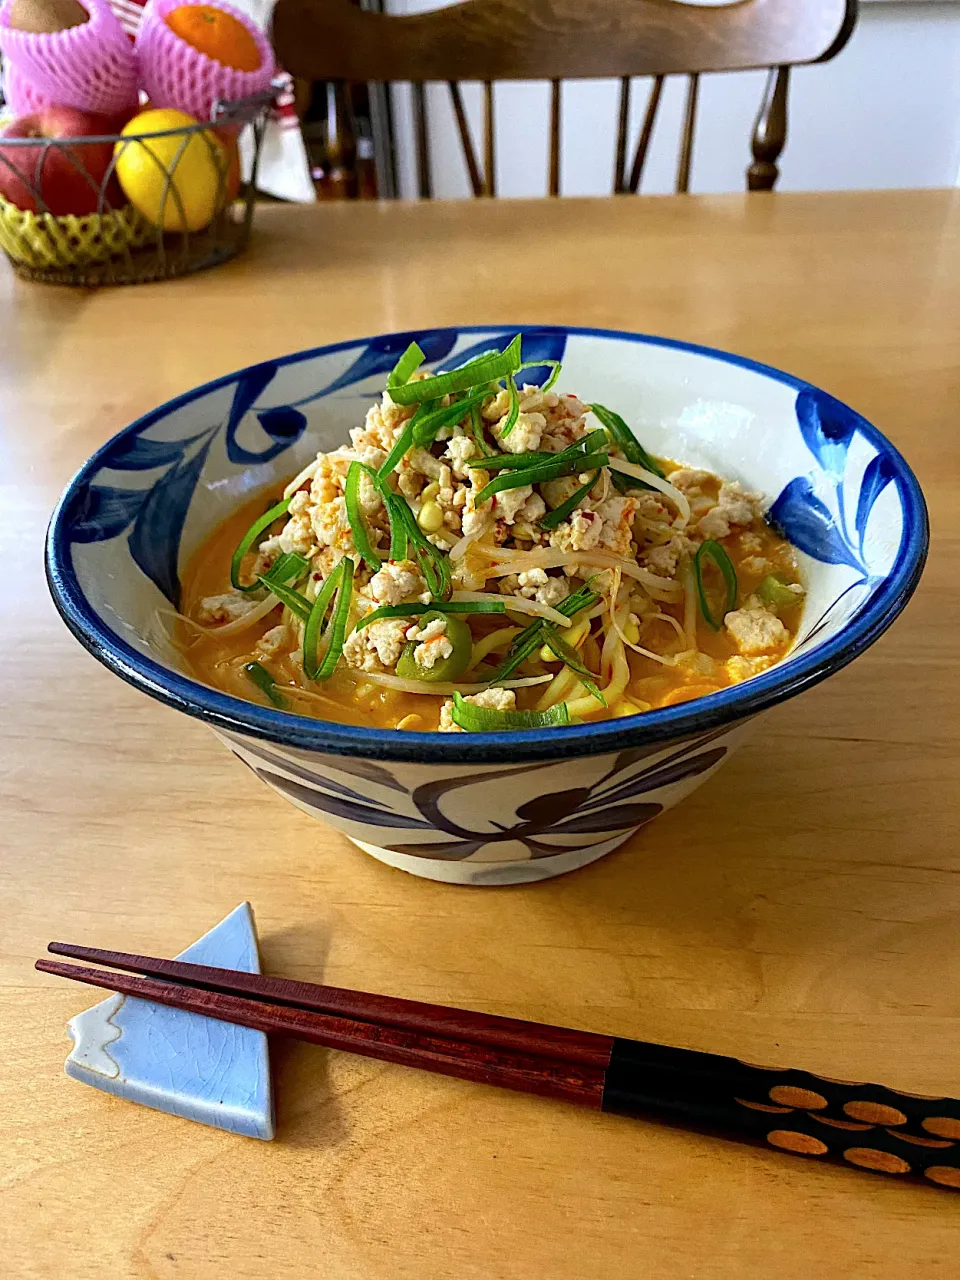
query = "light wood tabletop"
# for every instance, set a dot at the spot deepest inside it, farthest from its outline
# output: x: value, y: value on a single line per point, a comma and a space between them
x: 802, y: 907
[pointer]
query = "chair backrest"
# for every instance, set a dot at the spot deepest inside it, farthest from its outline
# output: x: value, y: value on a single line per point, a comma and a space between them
x: 490, y: 40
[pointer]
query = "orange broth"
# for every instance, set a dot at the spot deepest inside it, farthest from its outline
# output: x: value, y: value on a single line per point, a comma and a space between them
x: 349, y: 698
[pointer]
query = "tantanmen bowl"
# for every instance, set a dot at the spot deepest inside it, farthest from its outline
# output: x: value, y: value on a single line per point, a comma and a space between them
x: 487, y: 808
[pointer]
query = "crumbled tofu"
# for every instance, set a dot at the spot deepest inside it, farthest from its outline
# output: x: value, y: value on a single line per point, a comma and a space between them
x: 377, y: 647
x: 740, y: 669
x: 757, y: 566
x: 665, y: 558
x: 751, y: 543
x: 525, y: 435
x: 433, y: 644
x: 495, y: 699
x: 331, y: 525
x: 650, y: 506
x: 532, y: 509
x: 508, y: 503
x: 459, y: 449
x: 756, y: 630
x: 734, y: 507
x: 273, y: 641
x: 691, y: 480
x: 473, y: 521
x: 297, y: 535
x: 536, y: 584
x: 617, y: 515
x: 397, y: 582
x: 226, y: 608
x: 498, y: 406
x: 695, y: 663
x: 581, y: 532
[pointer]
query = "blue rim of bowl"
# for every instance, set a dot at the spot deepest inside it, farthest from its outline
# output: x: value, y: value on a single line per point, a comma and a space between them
x: 223, y: 711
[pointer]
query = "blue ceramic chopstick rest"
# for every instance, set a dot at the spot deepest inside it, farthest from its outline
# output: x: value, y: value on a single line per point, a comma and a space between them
x: 191, y: 1066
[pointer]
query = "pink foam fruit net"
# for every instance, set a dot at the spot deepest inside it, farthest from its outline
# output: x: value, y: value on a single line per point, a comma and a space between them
x: 92, y: 67
x: 176, y: 75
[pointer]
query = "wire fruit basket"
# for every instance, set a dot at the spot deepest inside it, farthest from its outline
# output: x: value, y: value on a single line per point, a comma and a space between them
x: 182, y: 205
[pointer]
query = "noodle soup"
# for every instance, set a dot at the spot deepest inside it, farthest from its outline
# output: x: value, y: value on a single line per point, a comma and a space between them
x: 489, y: 554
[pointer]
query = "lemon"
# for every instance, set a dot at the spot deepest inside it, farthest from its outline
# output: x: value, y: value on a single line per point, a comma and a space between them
x: 178, y: 182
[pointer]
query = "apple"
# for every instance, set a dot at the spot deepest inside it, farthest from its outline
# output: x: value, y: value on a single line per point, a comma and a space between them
x: 67, y: 179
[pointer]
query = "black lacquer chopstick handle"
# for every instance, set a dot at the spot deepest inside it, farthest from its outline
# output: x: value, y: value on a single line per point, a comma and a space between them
x: 866, y: 1125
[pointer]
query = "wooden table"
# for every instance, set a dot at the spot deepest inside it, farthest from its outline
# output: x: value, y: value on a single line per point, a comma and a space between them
x: 803, y: 906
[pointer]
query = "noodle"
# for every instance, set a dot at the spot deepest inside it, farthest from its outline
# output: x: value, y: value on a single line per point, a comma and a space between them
x: 446, y: 690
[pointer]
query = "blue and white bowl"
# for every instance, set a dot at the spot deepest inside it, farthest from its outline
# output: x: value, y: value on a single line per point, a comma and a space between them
x: 488, y: 808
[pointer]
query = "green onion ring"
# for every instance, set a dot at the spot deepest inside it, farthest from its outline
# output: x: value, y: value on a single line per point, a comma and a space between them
x: 714, y: 551
x: 485, y: 719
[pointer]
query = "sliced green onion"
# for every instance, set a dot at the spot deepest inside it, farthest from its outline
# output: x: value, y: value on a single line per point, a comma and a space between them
x: 294, y: 601
x: 287, y: 568
x: 406, y: 366
x: 715, y: 552
x: 593, y: 441
x: 570, y: 658
x: 511, y: 461
x: 398, y: 532
x: 776, y: 593
x: 540, y: 473
x: 338, y: 628
x: 351, y: 496
x: 401, y: 445
x: 485, y: 719
x: 552, y: 365
x: 514, y: 411
x: 559, y: 514
x: 490, y: 367
x: 250, y: 537
x: 265, y: 682
x: 427, y: 425
x: 532, y: 637
x: 435, y: 606
x: 434, y: 565
x: 628, y: 442
x: 317, y: 618
x: 476, y: 430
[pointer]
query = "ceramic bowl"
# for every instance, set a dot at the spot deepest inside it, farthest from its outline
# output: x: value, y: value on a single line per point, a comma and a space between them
x: 487, y: 809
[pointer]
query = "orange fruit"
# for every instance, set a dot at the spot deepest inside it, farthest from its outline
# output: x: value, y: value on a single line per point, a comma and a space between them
x: 216, y: 33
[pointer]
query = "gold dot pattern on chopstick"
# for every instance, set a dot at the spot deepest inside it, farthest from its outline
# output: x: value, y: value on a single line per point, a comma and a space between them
x: 763, y: 1106
x: 942, y: 1126
x: 802, y: 1143
x: 842, y: 1124
x: 944, y: 1174
x: 789, y: 1095
x: 882, y: 1161
x: 874, y: 1113
x: 919, y: 1142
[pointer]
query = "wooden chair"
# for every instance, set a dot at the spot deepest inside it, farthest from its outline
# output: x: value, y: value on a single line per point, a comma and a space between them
x: 489, y: 40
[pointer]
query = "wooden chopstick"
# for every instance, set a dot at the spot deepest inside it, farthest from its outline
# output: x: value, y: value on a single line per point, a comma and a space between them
x: 864, y: 1125
x: 539, y: 1039
x: 485, y: 1064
